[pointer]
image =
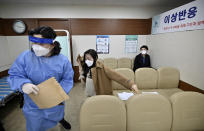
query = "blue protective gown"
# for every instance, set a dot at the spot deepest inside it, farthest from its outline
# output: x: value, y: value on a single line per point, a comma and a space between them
x: 28, y: 68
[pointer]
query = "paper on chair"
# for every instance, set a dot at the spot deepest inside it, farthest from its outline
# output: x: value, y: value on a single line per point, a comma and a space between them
x: 153, y: 92
x: 50, y: 94
x: 125, y: 95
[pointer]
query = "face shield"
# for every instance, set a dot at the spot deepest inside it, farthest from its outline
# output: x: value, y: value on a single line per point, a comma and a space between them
x: 36, y: 40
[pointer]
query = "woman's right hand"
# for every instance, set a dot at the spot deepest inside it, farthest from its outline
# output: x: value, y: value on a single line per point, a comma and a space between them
x: 29, y: 88
x: 135, y: 89
x: 78, y: 59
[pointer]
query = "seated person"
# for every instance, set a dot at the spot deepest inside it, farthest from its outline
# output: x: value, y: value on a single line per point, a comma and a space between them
x: 142, y: 59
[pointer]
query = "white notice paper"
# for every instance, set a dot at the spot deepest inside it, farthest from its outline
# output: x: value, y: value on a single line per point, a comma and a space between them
x: 125, y: 95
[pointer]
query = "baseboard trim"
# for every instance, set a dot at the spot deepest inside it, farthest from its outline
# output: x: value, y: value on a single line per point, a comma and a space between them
x: 188, y: 87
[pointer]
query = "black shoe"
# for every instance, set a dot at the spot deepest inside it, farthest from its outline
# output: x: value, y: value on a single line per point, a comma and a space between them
x: 1, y: 127
x: 65, y: 124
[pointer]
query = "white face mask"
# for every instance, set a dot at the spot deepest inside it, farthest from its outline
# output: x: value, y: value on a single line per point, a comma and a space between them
x: 144, y: 52
x: 40, y: 51
x: 89, y: 63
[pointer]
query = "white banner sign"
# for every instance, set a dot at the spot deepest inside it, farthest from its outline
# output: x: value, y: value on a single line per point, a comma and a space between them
x: 186, y: 17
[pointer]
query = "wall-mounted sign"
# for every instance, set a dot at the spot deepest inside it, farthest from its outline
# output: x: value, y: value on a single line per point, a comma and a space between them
x: 102, y: 44
x: 186, y: 17
x: 131, y: 42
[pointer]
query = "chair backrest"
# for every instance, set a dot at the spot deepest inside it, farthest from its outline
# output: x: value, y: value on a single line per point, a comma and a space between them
x: 168, y: 77
x: 146, y: 78
x: 148, y: 112
x: 188, y: 111
x: 103, y: 113
x: 111, y: 62
x: 125, y: 63
x: 133, y: 59
x: 128, y: 73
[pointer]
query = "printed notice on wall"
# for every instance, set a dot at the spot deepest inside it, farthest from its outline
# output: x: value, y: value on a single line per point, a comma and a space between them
x: 131, y: 42
x: 102, y: 44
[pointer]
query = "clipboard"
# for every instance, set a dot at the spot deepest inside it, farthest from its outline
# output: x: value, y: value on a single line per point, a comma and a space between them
x: 50, y: 94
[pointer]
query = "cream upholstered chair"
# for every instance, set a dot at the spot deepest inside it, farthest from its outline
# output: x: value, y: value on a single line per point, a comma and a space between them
x: 111, y: 62
x: 128, y: 73
x: 133, y: 60
x: 148, y: 112
x: 146, y: 78
x: 168, y: 80
x: 188, y: 111
x: 168, y: 77
x: 125, y: 63
x: 103, y: 113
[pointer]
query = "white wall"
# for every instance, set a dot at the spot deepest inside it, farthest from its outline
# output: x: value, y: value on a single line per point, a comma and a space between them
x: 4, y: 54
x: 14, y: 45
x: 116, y: 48
x: 71, y: 11
x: 183, y: 50
x: 17, y: 44
x: 11, y: 47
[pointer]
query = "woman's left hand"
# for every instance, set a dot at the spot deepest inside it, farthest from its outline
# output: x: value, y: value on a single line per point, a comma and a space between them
x: 135, y: 89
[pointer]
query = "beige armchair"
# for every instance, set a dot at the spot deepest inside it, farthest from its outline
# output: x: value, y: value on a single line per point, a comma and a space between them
x: 126, y: 72
x: 103, y: 113
x: 188, y: 111
x: 125, y: 63
x: 111, y: 63
x: 148, y: 113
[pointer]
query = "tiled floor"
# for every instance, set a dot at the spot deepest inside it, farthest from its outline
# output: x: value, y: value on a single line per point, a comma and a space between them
x: 12, y: 117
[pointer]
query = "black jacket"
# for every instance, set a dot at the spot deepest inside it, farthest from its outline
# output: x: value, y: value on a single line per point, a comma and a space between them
x: 138, y: 62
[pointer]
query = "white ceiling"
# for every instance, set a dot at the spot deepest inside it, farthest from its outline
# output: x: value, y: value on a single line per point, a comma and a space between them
x: 152, y: 3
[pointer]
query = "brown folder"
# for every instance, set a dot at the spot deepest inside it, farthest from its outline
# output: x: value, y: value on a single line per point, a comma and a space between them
x: 50, y: 94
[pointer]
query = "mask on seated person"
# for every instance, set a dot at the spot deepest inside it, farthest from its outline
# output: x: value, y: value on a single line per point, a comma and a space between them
x: 144, y: 52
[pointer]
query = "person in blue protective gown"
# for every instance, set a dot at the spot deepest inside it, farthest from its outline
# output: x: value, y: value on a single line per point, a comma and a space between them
x: 34, y: 66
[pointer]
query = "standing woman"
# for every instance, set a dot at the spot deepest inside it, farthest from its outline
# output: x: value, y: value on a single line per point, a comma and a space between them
x: 34, y: 66
x: 98, y: 77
